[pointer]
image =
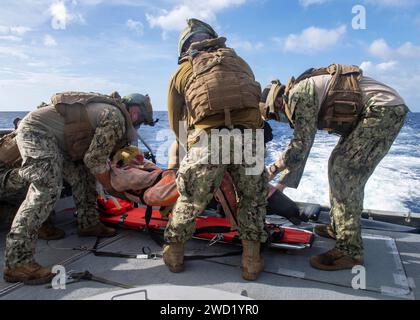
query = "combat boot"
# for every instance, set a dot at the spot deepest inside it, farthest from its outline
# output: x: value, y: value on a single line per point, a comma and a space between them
x: 98, y: 230
x: 30, y: 274
x: 252, y: 261
x: 173, y: 256
x: 49, y: 232
x: 334, y: 260
x: 325, y: 231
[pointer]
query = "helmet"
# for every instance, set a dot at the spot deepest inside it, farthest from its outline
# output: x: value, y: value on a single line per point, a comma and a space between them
x: 268, y: 108
x: 126, y: 155
x: 195, y: 27
x: 143, y: 101
x: 16, y: 122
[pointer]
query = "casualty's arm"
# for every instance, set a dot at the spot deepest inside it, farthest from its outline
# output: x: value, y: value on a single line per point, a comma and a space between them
x: 293, y: 161
x: 109, y: 132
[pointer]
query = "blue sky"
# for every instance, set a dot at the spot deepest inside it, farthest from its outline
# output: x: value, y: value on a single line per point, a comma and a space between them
x: 48, y: 46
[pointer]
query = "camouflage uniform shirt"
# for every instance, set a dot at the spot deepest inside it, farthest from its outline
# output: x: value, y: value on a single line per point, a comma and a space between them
x: 109, y: 124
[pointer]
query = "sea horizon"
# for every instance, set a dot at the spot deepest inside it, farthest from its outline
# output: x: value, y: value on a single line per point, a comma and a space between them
x: 394, y: 186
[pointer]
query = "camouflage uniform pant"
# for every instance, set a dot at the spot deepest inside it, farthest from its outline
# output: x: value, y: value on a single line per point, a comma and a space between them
x: 350, y: 166
x: 12, y: 186
x: 13, y: 190
x: 44, y: 167
x: 197, y: 182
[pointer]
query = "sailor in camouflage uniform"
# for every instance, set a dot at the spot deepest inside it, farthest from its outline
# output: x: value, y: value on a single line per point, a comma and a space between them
x: 198, y: 178
x: 72, y: 138
x: 368, y: 116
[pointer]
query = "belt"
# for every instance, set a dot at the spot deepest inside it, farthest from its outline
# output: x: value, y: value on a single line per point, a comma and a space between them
x: 239, y: 127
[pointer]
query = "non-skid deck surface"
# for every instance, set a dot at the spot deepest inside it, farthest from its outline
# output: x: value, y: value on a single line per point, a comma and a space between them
x: 286, y: 276
x: 60, y: 252
x: 383, y: 266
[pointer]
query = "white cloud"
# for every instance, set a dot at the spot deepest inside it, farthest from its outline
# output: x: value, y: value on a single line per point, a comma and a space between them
x: 409, y: 50
x: 10, y: 38
x: 370, y: 67
x: 61, y: 17
x: 14, y: 52
x: 40, y: 86
x: 28, y: 13
x: 19, y: 30
x: 307, y: 3
x: 133, y: 3
x: 136, y: 26
x: 247, y: 45
x: 12, y: 33
x: 49, y: 41
x: 14, y: 30
x: 392, y: 3
x: 380, y: 48
x: 378, y: 3
x: 175, y: 18
x: 314, y: 39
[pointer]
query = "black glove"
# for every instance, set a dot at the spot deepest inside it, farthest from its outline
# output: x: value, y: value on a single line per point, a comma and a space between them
x: 268, y: 132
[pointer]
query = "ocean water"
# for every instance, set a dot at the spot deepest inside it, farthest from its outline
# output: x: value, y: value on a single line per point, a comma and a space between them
x: 394, y: 186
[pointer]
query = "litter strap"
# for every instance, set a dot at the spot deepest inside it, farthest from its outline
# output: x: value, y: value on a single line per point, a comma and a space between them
x: 148, y: 255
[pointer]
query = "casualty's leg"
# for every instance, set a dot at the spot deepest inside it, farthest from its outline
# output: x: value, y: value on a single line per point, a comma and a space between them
x: 352, y: 163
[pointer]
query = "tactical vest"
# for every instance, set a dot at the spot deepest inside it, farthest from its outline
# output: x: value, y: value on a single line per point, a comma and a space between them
x: 221, y: 82
x: 340, y: 112
x: 78, y: 131
x: 9, y: 151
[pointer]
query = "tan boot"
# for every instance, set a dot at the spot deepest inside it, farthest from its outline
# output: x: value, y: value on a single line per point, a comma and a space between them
x: 252, y: 261
x: 334, y: 260
x: 325, y: 231
x: 173, y: 256
x: 49, y: 232
x: 98, y: 230
x: 31, y: 274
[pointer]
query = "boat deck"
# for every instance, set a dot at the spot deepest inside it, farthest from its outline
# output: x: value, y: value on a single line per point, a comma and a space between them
x: 392, y: 270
